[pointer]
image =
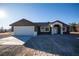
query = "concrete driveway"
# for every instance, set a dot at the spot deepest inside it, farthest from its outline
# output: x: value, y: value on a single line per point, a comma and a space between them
x: 14, y: 40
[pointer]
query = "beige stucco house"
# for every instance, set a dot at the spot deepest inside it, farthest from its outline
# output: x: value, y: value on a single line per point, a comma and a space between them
x: 26, y: 27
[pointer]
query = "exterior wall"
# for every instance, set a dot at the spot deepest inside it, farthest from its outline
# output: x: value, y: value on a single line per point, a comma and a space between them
x: 57, y: 23
x: 24, y: 30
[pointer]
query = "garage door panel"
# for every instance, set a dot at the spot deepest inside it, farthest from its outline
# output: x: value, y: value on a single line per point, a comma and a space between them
x: 24, y: 30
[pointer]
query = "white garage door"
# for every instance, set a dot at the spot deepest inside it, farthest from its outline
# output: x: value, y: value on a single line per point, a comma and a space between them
x: 24, y: 30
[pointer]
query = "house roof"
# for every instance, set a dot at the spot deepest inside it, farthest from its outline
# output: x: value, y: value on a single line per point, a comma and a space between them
x: 41, y: 23
x: 25, y: 22
x: 60, y: 22
x: 22, y: 22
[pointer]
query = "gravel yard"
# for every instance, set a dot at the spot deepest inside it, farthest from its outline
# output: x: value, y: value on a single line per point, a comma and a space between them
x: 64, y: 45
x: 43, y: 45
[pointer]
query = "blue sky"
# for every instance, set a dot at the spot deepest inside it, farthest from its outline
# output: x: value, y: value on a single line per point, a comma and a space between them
x: 39, y: 12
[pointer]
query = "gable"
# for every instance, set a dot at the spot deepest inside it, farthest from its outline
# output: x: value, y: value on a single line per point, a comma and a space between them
x: 22, y: 22
x: 59, y: 22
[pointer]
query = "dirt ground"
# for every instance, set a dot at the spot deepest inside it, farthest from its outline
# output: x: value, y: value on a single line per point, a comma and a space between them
x: 3, y: 35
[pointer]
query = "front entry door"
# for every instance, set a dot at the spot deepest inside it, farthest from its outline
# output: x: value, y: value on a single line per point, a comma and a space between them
x: 57, y: 29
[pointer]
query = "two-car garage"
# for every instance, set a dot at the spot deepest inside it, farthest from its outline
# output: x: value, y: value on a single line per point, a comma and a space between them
x: 23, y: 27
x: 24, y: 30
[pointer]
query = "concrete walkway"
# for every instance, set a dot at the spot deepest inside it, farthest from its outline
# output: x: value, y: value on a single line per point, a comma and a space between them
x: 14, y: 40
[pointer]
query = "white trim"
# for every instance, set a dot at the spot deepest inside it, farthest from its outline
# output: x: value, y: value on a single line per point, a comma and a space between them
x: 57, y: 23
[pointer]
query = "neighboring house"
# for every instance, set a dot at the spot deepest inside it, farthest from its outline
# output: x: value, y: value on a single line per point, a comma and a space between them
x: 25, y: 27
x: 77, y: 28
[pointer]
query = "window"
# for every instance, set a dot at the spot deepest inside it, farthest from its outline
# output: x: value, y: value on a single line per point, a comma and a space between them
x: 44, y: 29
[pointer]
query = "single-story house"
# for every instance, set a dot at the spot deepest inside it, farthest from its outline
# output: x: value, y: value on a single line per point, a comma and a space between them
x: 26, y: 27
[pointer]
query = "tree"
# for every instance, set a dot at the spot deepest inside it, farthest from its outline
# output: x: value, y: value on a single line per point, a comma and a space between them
x: 73, y: 27
x: 1, y: 30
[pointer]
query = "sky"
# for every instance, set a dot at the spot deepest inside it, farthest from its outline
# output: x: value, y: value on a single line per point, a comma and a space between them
x: 39, y: 12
